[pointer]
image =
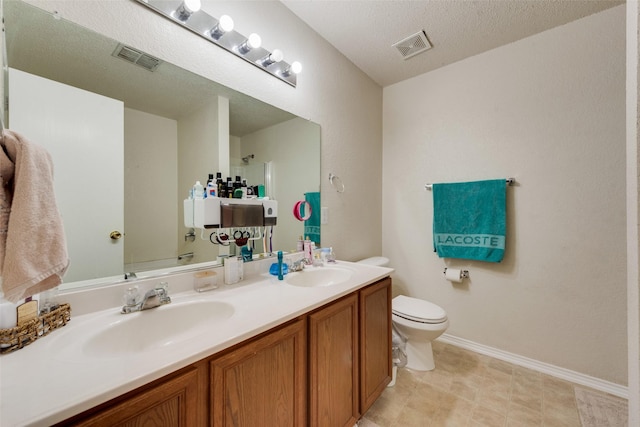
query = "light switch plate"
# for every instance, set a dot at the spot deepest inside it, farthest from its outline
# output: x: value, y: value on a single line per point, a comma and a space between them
x: 324, y: 215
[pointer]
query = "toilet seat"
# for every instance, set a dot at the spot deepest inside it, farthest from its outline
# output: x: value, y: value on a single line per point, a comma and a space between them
x: 417, y: 310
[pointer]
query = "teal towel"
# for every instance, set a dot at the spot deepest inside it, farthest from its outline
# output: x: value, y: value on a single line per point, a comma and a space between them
x: 312, y: 225
x: 470, y: 220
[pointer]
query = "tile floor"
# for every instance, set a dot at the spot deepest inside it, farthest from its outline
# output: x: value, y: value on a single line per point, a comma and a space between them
x: 470, y: 389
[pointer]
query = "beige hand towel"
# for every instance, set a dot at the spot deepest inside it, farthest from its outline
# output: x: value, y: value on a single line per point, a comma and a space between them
x: 33, y: 248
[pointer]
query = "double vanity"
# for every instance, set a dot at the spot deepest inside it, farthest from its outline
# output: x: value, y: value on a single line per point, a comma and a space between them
x: 312, y: 349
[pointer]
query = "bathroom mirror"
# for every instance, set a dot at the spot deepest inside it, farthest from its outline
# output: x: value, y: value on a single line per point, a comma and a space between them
x: 168, y: 120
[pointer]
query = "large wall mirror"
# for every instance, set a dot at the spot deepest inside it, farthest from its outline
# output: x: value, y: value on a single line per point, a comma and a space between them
x: 129, y: 135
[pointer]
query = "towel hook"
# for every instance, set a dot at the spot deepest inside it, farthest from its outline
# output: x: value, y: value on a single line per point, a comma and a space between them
x: 336, y: 183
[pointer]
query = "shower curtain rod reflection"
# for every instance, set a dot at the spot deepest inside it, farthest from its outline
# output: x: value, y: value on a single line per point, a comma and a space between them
x: 509, y: 181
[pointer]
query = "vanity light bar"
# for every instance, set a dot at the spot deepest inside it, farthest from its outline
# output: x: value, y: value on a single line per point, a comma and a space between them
x: 202, y: 24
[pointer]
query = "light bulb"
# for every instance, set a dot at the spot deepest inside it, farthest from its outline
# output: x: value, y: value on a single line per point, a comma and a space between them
x: 294, y: 68
x: 253, y: 42
x: 187, y: 8
x: 276, y: 55
x: 224, y: 25
x: 272, y: 58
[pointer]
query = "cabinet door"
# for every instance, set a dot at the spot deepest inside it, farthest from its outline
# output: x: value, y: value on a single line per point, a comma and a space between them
x: 173, y: 403
x: 375, y: 342
x: 262, y: 383
x: 333, y: 364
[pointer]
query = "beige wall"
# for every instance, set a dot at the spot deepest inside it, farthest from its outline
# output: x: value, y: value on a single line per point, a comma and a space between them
x: 150, y: 176
x: 633, y: 220
x: 331, y: 91
x: 292, y: 148
x: 548, y: 110
x: 198, y: 156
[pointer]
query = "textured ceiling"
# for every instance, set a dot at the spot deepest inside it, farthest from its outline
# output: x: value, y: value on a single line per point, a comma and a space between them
x: 365, y: 30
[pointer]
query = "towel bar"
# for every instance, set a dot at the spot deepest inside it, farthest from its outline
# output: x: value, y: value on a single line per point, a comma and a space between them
x: 509, y: 181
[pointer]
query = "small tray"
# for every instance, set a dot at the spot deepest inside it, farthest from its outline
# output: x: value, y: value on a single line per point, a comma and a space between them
x: 23, y: 335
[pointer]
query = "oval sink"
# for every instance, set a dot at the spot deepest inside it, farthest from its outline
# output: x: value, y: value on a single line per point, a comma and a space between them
x: 321, y: 276
x: 157, y: 328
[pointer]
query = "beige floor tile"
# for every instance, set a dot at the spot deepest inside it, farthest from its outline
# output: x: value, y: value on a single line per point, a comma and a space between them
x: 528, y: 396
x: 411, y: 418
x: 519, y: 415
x: 468, y: 389
x: 483, y: 416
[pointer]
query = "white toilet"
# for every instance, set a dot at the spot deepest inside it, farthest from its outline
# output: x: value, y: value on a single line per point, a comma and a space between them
x: 419, y: 321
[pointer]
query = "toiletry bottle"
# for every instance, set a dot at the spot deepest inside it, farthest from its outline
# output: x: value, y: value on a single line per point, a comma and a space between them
x: 300, y: 245
x: 308, y: 251
x: 244, y: 188
x: 280, y: 274
x: 220, y: 184
x: 8, y: 315
x: 212, y: 188
x: 198, y: 190
x: 229, y: 187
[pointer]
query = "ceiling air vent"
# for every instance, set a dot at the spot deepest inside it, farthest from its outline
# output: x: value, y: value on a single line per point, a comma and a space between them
x: 413, y: 45
x: 137, y: 57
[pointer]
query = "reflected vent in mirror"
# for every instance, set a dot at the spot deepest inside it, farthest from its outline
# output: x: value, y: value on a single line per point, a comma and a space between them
x: 137, y: 57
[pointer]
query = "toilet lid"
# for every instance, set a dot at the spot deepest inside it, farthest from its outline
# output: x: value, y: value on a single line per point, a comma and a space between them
x: 417, y: 310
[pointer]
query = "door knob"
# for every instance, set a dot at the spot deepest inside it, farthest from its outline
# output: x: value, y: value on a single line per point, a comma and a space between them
x: 115, y: 235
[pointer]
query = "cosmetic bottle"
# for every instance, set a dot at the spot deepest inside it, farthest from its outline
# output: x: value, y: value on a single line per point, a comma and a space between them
x: 308, y: 250
x: 300, y: 245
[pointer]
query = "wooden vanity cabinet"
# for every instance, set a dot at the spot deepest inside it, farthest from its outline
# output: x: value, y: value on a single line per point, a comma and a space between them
x: 177, y: 400
x: 262, y: 382
x: 349, y: 355
x: 333, y: 364
x: 375, y: 342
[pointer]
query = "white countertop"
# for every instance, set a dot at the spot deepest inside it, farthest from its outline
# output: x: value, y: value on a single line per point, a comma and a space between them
x: 54, y: 379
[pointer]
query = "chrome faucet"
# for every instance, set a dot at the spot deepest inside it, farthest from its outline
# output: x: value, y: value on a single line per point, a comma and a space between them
x: 298, y: 265
x: 153, y: 298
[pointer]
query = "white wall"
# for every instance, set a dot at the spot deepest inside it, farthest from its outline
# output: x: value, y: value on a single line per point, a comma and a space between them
x: 548, y: 110
x: 331, y: 91
x: 151, y: 185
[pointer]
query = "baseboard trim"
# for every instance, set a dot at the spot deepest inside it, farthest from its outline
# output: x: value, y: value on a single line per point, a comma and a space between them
x: 545, y: 368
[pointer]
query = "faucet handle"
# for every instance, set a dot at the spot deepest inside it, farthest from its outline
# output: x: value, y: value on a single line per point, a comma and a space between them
x: 162, y: 290
x: 131, y: 296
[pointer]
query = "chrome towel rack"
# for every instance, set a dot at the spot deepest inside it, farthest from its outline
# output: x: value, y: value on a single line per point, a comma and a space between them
x: 509, y: 181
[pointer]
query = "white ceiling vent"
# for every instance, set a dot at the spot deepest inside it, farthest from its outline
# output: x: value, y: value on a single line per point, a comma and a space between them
x: 413, y: 45
x: 137, y: 57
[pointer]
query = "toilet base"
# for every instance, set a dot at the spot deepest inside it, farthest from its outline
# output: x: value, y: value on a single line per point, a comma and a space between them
x: 420, y: 356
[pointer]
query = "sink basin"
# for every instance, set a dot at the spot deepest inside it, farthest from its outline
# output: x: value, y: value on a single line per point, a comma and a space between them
x: 156, y: 328
x: 320, y: 276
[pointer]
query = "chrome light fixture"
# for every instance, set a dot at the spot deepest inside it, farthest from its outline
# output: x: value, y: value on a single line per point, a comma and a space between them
x: 221, y: 33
